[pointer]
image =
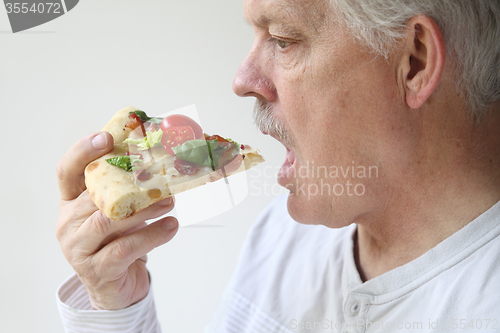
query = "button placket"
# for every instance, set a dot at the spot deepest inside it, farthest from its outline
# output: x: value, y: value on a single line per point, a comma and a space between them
x: 354, y: 308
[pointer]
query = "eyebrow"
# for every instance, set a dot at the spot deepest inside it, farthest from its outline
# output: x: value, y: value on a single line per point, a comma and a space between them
x: 266, y: 20
x: 289, y: 17
x: 268, y: 17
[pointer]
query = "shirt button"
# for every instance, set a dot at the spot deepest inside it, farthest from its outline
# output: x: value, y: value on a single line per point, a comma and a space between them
x: 354, y: 308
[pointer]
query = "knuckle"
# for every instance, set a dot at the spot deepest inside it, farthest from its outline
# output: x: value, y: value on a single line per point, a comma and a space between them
x: 123, y: 248
x: 101, y: 225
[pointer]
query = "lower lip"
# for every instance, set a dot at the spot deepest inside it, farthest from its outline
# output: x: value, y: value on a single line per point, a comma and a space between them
x: 288, y: 167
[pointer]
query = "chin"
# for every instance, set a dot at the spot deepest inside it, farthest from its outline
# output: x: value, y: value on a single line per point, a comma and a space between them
x: 330, y: 211
x: 308, y: 210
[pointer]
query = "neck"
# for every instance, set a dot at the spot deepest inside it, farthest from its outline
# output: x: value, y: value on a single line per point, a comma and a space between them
x: 447, y: 187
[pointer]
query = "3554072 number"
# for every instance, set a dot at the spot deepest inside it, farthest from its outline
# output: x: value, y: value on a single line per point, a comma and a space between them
x: 36, y: 8
x: 470, y: 324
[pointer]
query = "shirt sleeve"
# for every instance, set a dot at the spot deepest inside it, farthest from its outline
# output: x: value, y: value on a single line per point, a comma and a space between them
x: 78, y: 316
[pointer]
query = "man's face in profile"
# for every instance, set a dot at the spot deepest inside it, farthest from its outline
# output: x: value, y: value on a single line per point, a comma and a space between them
x: 338, y: 109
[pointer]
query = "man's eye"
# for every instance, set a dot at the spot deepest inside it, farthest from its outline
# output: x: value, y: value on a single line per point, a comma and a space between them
x: 281, y: 43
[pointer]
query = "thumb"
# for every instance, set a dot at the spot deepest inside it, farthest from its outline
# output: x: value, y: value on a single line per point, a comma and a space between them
x: 70, y: 169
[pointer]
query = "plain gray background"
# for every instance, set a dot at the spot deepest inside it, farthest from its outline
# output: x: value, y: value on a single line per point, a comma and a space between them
x: 65, y: 79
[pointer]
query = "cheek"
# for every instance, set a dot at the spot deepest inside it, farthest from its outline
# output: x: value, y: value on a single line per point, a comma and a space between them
x: 288, y: 63
x: 302, y: 99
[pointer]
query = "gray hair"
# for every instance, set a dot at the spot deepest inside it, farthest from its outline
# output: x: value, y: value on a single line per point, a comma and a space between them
x: 471, y: 30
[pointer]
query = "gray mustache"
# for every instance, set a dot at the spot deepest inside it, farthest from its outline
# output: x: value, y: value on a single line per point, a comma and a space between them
x: 265, y: 121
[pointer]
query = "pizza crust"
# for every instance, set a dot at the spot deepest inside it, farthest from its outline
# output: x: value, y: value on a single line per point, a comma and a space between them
x: 113, y: 189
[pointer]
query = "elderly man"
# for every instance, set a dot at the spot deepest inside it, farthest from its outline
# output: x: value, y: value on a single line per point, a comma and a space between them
x: 408, y: 89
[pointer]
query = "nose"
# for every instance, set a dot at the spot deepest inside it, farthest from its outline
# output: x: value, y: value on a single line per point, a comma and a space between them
x: 252, y: 78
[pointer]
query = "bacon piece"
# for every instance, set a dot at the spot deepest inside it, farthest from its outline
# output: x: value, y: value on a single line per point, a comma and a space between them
x: 215, y: 137
x: 220, y: 141
x: 142, y: 174
x: 231, y: 165
x: 134, y: 122
x: 185, y: 167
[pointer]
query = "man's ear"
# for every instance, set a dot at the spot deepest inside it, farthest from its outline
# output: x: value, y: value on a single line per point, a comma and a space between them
x: 422, y: 60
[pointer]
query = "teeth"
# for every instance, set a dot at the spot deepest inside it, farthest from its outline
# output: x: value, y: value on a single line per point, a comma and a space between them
x: 290, y: 156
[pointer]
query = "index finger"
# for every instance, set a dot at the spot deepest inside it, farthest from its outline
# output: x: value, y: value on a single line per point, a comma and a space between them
x: 70, y: 169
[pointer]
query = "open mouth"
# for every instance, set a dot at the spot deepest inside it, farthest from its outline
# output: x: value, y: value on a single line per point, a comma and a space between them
x: 288, y: 167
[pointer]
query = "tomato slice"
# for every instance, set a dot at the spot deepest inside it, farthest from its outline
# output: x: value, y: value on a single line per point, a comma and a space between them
x: 175, y: 136
x: 175, y: 120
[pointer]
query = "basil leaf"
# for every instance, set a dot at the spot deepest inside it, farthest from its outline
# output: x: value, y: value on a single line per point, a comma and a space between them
x: 144, y: 117
x: 121, y: 162
x: 201, y: 152
x: 210, y: 154
x: 215, y: 155
x: 125, y: 162
x: 236, y: 144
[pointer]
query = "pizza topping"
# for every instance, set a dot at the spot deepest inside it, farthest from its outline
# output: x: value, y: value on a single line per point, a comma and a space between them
x: 127, y: 163
x: 143, y: 117
x: 215, y: 137
x: 183, y: 139
x: 135, y: 121
x: 175, y: 136
x: 206, y: 152
x: 143, y: 175
x: 152, y: 139
x: 151, y: 127
x: 185, y: 167
x: 133, y: 124
x: 231, y: 165
x: 197, y: 151
x: 176, y: 120
x: 224, y: 143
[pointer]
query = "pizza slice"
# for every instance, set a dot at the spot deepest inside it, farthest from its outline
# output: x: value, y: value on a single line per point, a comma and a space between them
x: 154, y: 158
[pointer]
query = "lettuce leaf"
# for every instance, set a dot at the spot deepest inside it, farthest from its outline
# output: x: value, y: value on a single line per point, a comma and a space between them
x: 152, y: 139
x: 134, y: 160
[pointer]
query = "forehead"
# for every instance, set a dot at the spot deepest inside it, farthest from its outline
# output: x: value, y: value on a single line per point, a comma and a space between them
x: 311, y: 13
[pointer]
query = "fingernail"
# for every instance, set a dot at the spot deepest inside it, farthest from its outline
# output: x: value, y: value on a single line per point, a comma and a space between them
x: 100, y: 141
x: 165, y: 202
x: 170, y: 224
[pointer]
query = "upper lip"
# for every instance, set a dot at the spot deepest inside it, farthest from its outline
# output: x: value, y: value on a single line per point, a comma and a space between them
x: 278, y: 139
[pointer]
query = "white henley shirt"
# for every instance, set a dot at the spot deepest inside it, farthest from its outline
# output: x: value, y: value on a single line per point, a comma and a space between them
x: 292, y: 277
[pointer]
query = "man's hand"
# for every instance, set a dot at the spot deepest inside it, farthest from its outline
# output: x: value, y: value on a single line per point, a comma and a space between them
x: 108, y: 256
